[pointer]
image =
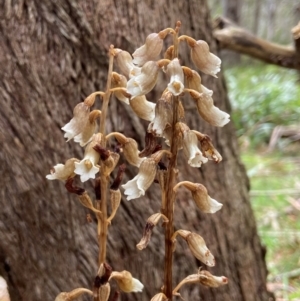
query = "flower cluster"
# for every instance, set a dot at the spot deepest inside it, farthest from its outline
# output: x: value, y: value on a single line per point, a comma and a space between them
x: 167, y: 134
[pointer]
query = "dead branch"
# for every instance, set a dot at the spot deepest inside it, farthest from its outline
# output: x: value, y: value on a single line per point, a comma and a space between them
x: 235, y: 38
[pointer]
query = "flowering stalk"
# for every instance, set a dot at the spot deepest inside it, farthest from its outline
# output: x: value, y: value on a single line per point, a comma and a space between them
x: 169, y: 196
x: 102, y: 229
x: 166, y: 116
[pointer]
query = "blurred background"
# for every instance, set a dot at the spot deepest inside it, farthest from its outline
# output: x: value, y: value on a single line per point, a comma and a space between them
x: 265, y: 100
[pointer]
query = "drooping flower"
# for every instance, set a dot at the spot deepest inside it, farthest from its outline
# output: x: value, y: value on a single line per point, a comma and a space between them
x: 200, y: 195
x: 124, y: 61
x: 63, y: 172
x: 89, y: 129
x: 151, y: 223
x: 87, y: 167
x: 143, y: 108
x: 206, y: 61
x: 119, y: 81
x: 208, y: 111
x: 126, y: 282
x: 207, y: 279
x: 151, y: 49
x: 130, y: 148
x: 190, y: 146
x: 197, y: 246
x: 145, y: 81
x: 207, y: 147
x: 77, y: 123
x: 175, y: 72
x: 193, y: 81
x: 142, y: 181
x: 163, y: 115
x: 203, y: 277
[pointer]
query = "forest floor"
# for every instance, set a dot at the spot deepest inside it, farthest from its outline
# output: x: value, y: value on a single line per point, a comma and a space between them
x: 266, y: 112
x: 275, y: 198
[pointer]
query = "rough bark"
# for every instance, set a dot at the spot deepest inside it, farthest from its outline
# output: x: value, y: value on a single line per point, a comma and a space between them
x: 53, y: 54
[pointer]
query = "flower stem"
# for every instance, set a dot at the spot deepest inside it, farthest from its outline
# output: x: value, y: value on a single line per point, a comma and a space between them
x: 102, y: 229
x: 169, y: 196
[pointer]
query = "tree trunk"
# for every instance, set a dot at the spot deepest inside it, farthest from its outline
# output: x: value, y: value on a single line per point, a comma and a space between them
x: 53, y: 54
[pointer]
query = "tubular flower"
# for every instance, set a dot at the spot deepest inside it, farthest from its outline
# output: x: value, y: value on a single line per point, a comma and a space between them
x: 4, y: 295
x: 87, y: 168
x: 145, y: 81
x: 126, y: 282
x: 124, y: 61
x: 197, y: 246
x: 206, y: 61
x: 151, y: 49
x: 163, y: 115
x: 119, y: 81
x: 142, y: 181
x: 207, y: 147
x: 143, y: 108
x: 88, y: 131
x: 208, y: 111
x: 130, y: 149
x: 63, y: 172
x: 199, y: 193
x: 78, y: 122
x: 203, y: 277
x: 207, y: 279
x: 175, y: 72
x: 193, y: 81
x: 190, y: 147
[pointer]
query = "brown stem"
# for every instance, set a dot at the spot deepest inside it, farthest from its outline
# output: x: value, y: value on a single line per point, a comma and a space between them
x: 102, y: 229
x: 169, y: 193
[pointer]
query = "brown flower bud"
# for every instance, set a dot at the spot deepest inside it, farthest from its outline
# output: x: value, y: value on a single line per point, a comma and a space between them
x: 151, y: 223
x: 115, y: 200
x: 104, y: 292
x: 197, y: 246
x: 163, y: 115
x: 150, y: 145
x: 130, y: 148
x: 207, y: 147
x: 207, y: 279
x: 203, y: 277
x: 72, y: 188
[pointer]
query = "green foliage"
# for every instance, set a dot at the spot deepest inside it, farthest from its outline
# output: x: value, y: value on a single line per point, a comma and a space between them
x: 262, y: 97
x: 275, y: 183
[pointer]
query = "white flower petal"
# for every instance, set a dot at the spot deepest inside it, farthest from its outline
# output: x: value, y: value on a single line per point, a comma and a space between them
x: 137, y: 285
